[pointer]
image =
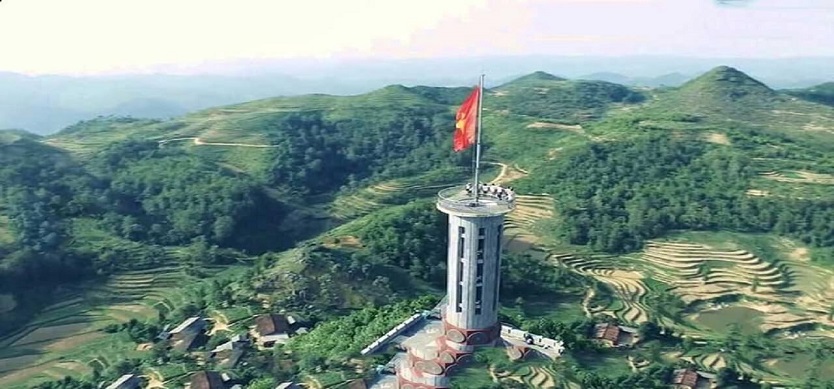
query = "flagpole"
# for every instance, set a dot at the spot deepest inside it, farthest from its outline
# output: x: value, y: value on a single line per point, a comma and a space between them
x: 478, y: 141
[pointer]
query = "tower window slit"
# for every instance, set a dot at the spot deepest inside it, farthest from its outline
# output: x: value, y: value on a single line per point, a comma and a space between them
x: 497, y: 267
x: 459, y: 299
x: 479, y: 294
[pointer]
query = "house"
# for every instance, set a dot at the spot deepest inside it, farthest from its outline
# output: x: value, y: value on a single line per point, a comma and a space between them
x: 287, y: 385
x: 127, y: 381
x: 628, y: 336
x: 614, y: 335
x: 607, y: 333
x: 206, y: 380
x: 297, y: 324
x: 241, y: 338
x: 230, y: 352
x: 691, y: 379
x: 192, y: 324
x: 271, y: 329
x: 184, y: 336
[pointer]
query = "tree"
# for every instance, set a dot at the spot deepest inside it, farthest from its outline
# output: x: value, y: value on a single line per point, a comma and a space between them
x: 688, y: 343
x: 262, y: 383
x: 726, y: 376
x: 648, y: 330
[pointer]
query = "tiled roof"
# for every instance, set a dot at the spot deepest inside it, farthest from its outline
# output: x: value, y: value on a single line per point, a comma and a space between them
x: 607, y: 332
x: 271, y: 324
x: 207, y: 380
x: 685, y: 377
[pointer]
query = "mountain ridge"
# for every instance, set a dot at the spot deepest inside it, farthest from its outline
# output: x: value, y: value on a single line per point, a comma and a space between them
x: 621, y: 191
x: 73, y: 98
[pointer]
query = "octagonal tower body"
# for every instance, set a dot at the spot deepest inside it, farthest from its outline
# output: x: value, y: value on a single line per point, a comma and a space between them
x: 474, y: 266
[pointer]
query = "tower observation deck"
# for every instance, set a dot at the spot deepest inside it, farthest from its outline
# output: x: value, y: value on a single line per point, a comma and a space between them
x: 470, y: 316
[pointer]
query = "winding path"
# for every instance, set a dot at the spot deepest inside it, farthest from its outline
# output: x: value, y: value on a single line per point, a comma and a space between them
x: 198, y: 142
x: 505, y: 175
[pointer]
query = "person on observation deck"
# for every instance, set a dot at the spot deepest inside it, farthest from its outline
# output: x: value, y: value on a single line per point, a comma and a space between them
x: 469, y: 188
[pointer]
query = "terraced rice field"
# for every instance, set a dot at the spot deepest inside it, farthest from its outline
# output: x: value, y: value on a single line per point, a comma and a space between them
x: 378, y: 196
x: 519, y: 225
x: 799, y: 177
x: 65, y: 338
x: 707, y: 362
x: 533, y: 376
x: 628, y: 286
x: 813, y: 289
x: 788, y: 294
x: 702, y: 273
x: 785, y: 294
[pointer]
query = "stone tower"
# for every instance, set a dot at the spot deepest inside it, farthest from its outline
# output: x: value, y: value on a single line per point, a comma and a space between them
x: 470, y: 316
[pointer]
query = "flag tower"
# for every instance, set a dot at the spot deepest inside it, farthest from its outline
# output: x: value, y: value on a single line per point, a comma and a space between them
x: 476, y: 222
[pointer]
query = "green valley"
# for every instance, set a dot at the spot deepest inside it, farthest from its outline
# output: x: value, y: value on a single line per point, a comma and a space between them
x: 701, y: 216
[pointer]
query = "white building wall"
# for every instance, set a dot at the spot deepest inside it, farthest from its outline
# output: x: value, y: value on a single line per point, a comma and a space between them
x: 463, y: 279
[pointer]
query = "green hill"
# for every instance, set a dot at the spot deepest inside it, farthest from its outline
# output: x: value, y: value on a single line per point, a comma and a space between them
x: 720, y: 94
x: 726, y: 97
x: 823, y: 93
x: 536, y: 78
x: 642, y: 206
x: 542, y: 95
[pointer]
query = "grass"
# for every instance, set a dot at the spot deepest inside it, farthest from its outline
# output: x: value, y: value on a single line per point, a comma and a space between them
x: 475, y: 376
x: 801, y: 365
x: 534, y: 371
x: 84, y: 139
x: 505, y: 134
x: 7, y: 303
x: 562, y: 307
x: 608, y: 363
x: 6, y: 234
x: 720, y: 320
x: 330, y: 378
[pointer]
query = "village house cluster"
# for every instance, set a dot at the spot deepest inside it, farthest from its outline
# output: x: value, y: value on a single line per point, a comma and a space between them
x: 191, y: 334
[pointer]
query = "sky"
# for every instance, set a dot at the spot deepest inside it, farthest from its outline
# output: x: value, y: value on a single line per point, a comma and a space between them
x: 134, y: 36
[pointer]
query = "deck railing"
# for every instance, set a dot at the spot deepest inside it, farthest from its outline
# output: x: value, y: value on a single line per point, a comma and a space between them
x: 457, y: 199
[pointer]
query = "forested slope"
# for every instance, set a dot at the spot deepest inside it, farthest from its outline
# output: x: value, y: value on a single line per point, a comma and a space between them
x: 349, y: 183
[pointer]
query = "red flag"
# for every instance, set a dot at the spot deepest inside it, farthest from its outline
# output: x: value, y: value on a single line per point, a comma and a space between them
x: 466, y: 121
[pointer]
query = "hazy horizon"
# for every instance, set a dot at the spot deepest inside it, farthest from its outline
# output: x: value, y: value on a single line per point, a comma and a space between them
x: 156, y: 59
x: 88, y: 37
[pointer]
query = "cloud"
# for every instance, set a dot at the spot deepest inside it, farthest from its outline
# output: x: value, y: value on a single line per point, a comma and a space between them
x: 736, y: 3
